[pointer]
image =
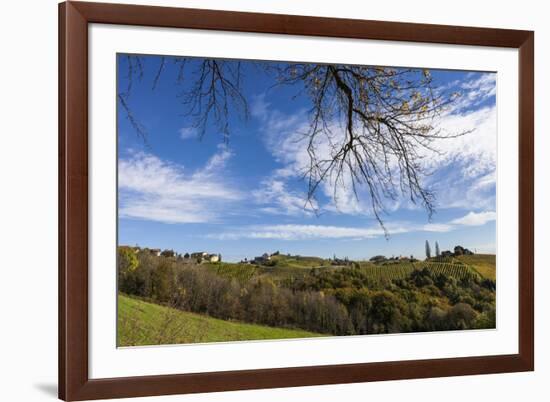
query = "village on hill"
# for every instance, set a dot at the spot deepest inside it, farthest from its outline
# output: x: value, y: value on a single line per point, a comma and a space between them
x: 279, y: 294
x: 200, y: 257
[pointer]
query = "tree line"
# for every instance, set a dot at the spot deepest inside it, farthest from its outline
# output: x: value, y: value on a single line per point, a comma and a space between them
x: 336, y: 302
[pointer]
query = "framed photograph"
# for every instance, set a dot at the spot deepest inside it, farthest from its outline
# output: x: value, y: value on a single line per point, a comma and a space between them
x: 260, y: 200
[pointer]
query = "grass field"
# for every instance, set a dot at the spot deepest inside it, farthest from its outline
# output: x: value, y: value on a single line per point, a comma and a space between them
x: 485, y: 264
x: 142, y: 323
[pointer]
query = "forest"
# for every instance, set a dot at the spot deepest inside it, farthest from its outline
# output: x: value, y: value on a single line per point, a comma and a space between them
x: 357, y: 298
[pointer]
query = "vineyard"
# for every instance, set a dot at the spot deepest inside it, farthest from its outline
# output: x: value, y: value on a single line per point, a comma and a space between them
x: 387, y: 273
x: 374, y: 273
x: 174, y: 300
x: 240, y: 272
x: 457, y: 269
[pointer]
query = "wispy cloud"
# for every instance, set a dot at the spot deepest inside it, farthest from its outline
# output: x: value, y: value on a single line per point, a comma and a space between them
x: 462, y: 172
x: 285, y: 137
x: 311, y: 232
x: 280, y: 200
x: 156, y: 190
x: 481, y: 88
x: 476, y: 219
x: 435, y: 227
x: 300, y: 232
x: 187, y: 133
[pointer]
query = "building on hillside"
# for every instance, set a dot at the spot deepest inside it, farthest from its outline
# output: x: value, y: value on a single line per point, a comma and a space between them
x: 200, y: 255
x: 214, y: 258
x: 446, y: 253
x: 340, y: 261
x: 377, y: 258
x: 168, y: 253
x: 459, y: 250
x: 262, y: 259
x: 155, y: 251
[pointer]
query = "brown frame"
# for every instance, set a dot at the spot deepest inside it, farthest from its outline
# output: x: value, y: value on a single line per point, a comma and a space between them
x: 74, y: 383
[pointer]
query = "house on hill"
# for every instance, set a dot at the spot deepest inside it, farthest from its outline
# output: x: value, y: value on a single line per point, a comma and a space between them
x: 262, y: 259
x: 203, y: 256
x: 200, y: 255
x: 155, y: 251
x: 214, y: 258
x: 168, y: 253
x: 459, y: 250
x: 340, y: 261
x: 377, y: 258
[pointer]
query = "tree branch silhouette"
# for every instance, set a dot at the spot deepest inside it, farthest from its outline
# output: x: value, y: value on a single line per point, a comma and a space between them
x: 369, y: 127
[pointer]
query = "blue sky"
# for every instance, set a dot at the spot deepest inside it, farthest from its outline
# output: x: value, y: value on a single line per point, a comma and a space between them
x: 246, y: 197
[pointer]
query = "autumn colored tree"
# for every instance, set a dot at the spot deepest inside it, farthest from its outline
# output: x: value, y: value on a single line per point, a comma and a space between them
x: 127, y: 261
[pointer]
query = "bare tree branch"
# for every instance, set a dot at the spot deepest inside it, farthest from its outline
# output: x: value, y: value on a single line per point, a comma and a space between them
x: 369, y: 127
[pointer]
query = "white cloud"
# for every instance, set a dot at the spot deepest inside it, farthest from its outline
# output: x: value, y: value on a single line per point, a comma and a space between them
x: 462, y: 172
x: 309, y: 232
x: 437, y: 227
x: 156, y: 190
x: 301, y: 232
x: 476, y: 218
x: 216, y: 162
x: 473, y: 90
x: 475, y: 152
x: 187, y: 133
x: 481, y: 88
x: 281, y: 200
x: 465, y: 170
x: 285, y: 138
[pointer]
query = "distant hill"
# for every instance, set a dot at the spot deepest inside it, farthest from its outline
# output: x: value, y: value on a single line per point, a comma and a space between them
x: 142, y: 323
x: 295, y: 261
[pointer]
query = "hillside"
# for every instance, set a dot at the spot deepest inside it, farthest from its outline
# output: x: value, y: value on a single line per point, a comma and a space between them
x: 283, y: 266
x: 142, y: 323
x: 293, y: 261
x: 485, y: 264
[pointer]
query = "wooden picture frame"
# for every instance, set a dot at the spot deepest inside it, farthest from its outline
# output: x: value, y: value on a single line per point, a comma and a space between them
x: 74, y: 381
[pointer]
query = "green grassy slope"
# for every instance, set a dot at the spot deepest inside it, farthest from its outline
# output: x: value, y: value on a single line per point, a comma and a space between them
x: 142, y: 323
x: 485, y: 264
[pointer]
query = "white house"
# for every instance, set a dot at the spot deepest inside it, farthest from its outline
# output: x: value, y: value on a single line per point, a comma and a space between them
x: 199, y: 255
x: 214, y: 258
